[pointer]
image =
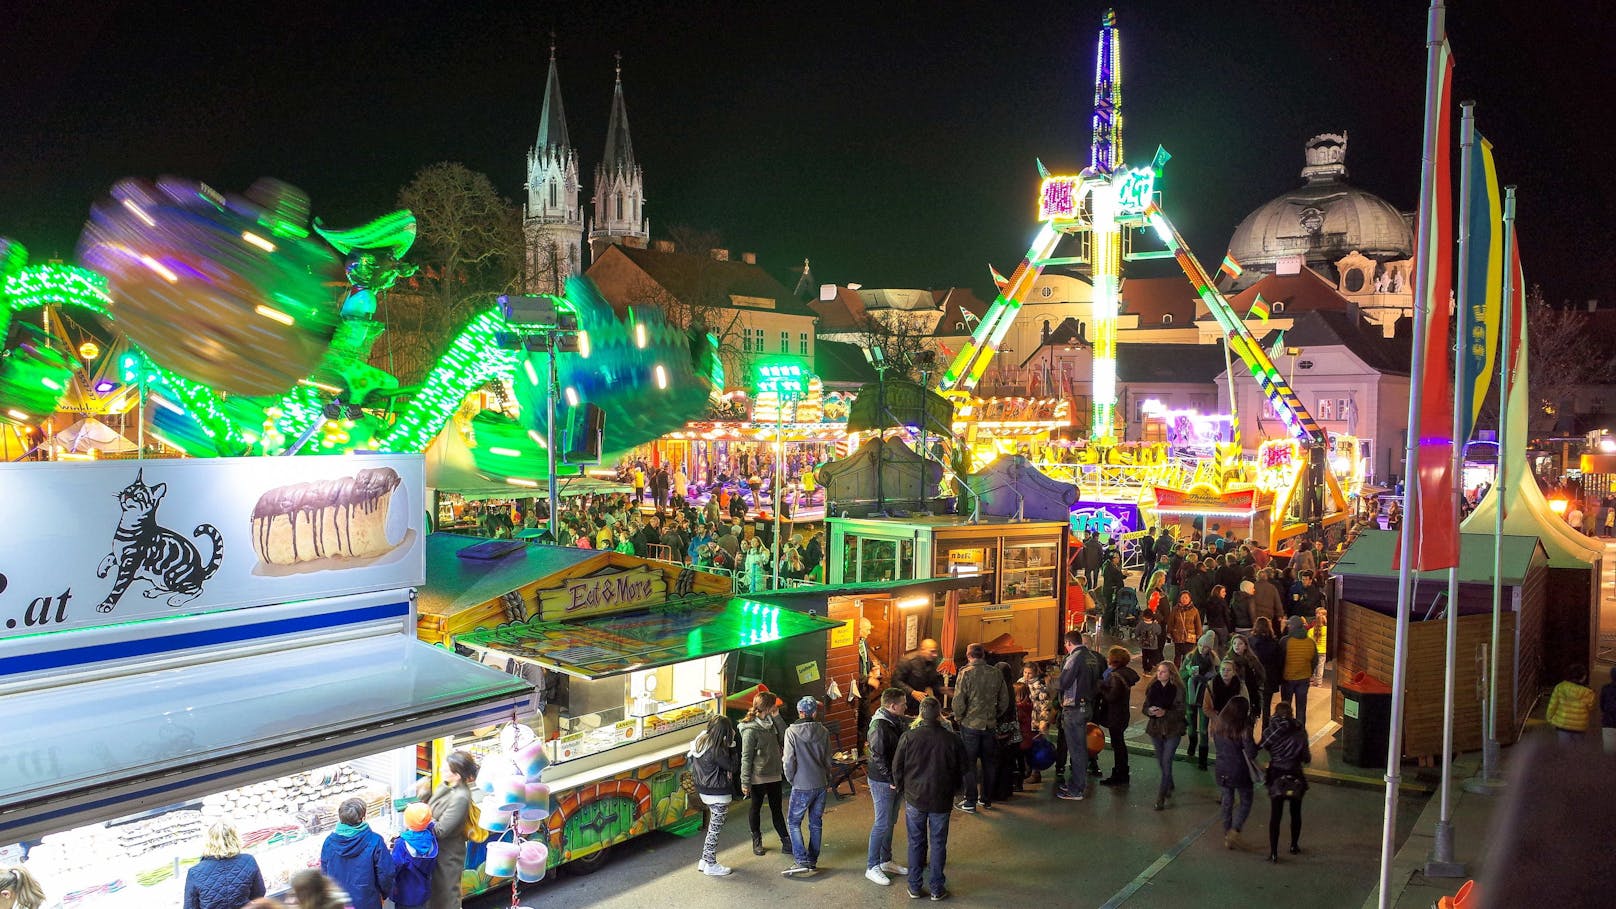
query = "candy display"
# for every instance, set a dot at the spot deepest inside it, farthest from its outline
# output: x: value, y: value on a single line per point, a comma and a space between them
x: 141, y: 862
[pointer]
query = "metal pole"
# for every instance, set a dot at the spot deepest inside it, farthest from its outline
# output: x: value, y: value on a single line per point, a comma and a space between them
x: 1425, y: 256
x: 550, y: 443
x: 1442, y: 863
x: 1234, y: 412
x: 779, y: 468
x: 1490, y: 776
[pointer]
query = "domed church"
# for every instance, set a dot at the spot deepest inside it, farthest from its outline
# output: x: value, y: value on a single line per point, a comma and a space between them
x: 1322, y: 222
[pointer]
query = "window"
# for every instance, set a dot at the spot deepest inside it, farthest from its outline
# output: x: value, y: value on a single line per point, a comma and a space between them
x: 959, y: 327
x: 1027, y: 570
x: 1167, y: 318
x: 1341, y: 407
x: 1326, y: 409
x: 1354, y: 281
x: 1277, y: 307
x: 785, y: 342
x: 619, y: 206
x: 802, y: 343
x: 973, y: 559
x: 553, y: 202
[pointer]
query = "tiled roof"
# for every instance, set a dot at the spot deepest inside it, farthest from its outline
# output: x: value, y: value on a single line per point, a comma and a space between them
x: 1069, y: 333
x: 844, y: 312
x: 1325, y: 328
x: 1304, y: 291
x: 1152, y: 298
x: 689, y: 276
x: 1186, y: 363
x: 841, y: 363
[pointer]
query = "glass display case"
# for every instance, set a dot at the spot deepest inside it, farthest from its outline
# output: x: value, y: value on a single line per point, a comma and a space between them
x: 591, y: 717
x: 1028, y: 570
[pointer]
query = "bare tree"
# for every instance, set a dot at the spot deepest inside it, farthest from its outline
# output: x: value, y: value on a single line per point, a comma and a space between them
x: 902, y: 336
x: 469, y: 246
x: 1563, y: 353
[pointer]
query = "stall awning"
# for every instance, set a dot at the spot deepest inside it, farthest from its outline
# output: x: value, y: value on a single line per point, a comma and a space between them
x: 608, y: 645
x: 95, y: 750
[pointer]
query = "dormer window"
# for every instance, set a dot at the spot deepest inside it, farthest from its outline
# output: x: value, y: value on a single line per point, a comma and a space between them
x: 1277, y: 307
x: 1167, y: 318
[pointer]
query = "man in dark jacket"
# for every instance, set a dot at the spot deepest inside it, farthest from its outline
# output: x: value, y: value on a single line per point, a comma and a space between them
x: 980, y: 695
x: 1113, y: 579
x: 917, y: 675
x: 356, y: 858
x: 1078, y: 681
x: 1147, y: 548
x: 1091, y: 557
x: 928, y: 767
x: 886, y: 727
x: 1306, y: 598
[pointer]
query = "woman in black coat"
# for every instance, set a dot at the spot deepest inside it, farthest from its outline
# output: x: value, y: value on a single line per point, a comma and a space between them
x: 1270, y: 653
x: 1231, y: 736
x: 1215, y: 614
x: 712, y: 766
x: 1118, y: 680
x: 1164, y: 707
x: 1286, y: 743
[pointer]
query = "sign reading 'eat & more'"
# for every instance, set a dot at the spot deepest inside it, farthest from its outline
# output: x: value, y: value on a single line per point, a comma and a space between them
x: 609, y: 591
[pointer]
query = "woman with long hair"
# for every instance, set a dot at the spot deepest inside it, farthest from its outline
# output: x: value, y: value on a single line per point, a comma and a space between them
x: 1247, y: 664
x: 225, y: 878
x: 763, y: 737
x: 1165, y: 721
x: 712, y: 763
x: 1271, y: 656
x: 19, y: 890
x: 1236, y: 752
x: 316, y: 891
x: 1286, y: 743
x: 451, y: 806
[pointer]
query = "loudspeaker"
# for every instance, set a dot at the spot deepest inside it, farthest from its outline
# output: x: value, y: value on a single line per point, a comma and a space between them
x: 585, y: 428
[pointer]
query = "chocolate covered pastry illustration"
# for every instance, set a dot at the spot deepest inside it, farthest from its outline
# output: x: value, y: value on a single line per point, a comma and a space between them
x: 343, y: 518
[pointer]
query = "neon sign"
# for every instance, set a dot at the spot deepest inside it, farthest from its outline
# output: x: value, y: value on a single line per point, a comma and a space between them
x: 1059, y: 198
x: 1134, y: 190
x: 1105, y: 518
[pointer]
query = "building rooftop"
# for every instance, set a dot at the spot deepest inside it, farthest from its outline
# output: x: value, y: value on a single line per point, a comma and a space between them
x: 703, y: 280
x: 1180, y: 363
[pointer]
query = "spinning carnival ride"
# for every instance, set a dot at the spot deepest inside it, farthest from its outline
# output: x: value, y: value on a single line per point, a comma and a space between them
x: 247, y: 332
x: 1100, y: 208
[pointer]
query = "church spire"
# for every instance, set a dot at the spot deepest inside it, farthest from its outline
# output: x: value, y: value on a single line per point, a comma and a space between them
x: 553, y: 120
x: 619, y: 148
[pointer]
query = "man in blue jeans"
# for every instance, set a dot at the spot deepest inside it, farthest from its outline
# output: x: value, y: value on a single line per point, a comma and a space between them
x: 928, y: 767
x: 1079, y: 679
x: 980, y: 696
x: 886, y: 727
x: 807, y: 769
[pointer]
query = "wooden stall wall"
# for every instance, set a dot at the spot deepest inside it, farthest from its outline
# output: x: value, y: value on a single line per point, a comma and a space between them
x: 841, y: 664
x: 1367, y: 643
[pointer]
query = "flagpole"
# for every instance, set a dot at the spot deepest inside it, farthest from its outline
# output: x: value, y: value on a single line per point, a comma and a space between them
x: 1442, y: 863
x: 1425, y: 261
x: 1234, y: 413
x: 1490, y: 776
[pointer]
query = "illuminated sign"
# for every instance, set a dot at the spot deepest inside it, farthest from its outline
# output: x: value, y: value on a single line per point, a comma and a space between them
x: 1059, y: 199
x: 1112, y: 519
x: 612, y: 591
x: 781, y: 378
x: 1195, y: 501
x: 1134, y: 190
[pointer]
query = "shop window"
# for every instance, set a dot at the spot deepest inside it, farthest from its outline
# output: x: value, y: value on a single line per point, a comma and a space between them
x: 969, y: 561
x: 878, y: 560
x: 906, y: 560
x: 1028, y: 570
x: 850, y: 559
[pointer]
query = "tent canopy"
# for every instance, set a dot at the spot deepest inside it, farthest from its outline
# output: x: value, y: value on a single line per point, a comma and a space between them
x: 450, y: 467
x: 90, y: 434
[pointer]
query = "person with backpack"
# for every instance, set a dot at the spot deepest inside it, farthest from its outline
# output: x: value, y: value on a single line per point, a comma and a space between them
x: 886, y: 727
x: 1117, y: 682
x: 807, y: 769
x: 1286, y: 743
x: 712, y: 765
x: 1149, y: 636
x: 1079, y: 683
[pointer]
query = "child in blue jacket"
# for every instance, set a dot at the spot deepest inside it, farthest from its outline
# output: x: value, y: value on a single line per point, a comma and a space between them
x: 415, y: 854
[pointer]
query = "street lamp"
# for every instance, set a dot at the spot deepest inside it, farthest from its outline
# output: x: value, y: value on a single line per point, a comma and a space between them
x: 543, y: 327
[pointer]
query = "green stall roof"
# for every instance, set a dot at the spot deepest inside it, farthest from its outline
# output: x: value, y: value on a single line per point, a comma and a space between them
x: 454, y: 583
x: 1371, y: 555
x: 607, y: 645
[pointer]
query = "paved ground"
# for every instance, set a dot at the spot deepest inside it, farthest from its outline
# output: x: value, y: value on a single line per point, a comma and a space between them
x: 1110, y: 850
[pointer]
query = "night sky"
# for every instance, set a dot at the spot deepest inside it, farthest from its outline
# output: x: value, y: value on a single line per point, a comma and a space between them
x: 891, y: 148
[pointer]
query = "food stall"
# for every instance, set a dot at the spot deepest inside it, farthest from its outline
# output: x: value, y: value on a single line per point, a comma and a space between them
x: 628, y: 656
x: 269, y: 673
x: 1019, y: 567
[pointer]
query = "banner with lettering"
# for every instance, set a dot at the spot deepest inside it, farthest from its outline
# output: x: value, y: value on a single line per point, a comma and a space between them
x: 104, y: 543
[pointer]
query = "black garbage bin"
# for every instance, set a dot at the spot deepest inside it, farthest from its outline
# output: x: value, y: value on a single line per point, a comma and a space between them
x: 1366, y: 720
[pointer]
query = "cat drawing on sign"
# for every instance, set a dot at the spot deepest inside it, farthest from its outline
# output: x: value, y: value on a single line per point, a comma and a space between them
x: 142, y: 550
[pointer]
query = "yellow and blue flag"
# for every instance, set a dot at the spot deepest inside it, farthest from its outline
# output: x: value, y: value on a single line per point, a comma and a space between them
x: 1484, y: 288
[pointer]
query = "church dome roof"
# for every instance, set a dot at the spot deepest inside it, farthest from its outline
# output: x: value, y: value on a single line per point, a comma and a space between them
x: 1322, y: 220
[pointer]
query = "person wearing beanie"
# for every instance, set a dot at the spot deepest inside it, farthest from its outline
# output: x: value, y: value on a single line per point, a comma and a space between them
x: 1297, y: 678
x: 807, y: 769
x: 1197, y: 673
x: 415, y: 855
x: 1240, y: 614
x: 357, y: 859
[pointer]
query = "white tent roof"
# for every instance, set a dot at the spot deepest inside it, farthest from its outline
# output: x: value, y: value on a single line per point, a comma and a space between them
x: 90, y: 434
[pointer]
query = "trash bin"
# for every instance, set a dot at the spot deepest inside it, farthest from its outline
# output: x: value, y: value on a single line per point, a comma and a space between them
x: 1366, y: 720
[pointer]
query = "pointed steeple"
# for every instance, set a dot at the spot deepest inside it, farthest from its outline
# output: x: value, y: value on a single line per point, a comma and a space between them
x: 806, y: 288
x: 553, y: 120
x: 619, y: 148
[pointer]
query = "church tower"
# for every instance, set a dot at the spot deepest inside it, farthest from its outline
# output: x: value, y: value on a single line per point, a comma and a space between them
x: 619, y: 186
x: 552, y: 219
